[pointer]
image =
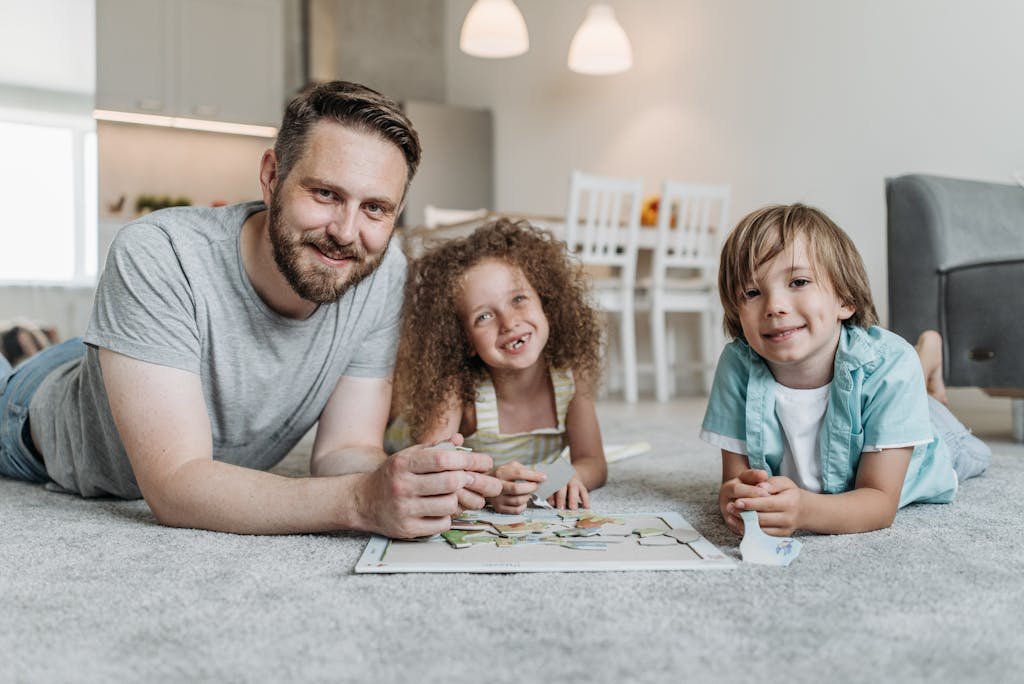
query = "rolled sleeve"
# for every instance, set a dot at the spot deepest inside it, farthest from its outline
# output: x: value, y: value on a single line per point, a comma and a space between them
x: 895, y: 406
x: 375, y: 357
x: 144, y: 306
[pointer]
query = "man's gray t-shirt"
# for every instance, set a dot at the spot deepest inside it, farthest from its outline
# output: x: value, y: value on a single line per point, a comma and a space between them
x: 174, y: 293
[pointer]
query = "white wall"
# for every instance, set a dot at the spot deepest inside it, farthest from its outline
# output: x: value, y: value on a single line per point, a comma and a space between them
x: 787, y: 100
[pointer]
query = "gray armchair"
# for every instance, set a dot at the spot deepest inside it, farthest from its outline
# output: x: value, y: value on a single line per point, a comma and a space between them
x: 956, y: 265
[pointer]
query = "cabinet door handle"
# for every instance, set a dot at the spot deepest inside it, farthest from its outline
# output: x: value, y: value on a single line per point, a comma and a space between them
x: 981, y: 355
x: 151, y: 104
x: 205, y: 110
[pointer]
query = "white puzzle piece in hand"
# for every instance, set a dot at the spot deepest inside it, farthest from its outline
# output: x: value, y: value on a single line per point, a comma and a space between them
x: 758, y: 547
x: 559, y: 473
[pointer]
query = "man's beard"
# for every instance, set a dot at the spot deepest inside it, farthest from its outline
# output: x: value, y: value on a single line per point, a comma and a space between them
x: 317, y: 283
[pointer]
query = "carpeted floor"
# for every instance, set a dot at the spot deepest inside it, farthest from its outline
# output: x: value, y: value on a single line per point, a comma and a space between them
x: 96, y: 591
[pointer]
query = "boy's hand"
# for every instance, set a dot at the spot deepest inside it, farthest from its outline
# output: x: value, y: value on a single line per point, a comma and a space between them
x: 778, y: 507
x: 573, y: 495
x: 745, y: 485
x: 515, y: 494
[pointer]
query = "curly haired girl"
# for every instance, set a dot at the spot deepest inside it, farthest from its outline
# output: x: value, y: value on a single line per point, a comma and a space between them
x: 498, y: 343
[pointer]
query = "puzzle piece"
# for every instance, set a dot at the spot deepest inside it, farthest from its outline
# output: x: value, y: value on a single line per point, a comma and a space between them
x: 684, y: 535
x: 470, y: 525
x: 660, y: 540
x: 456, y: 538
x: 578, y: 532
x: 559, y: 473
x: 520, y: 528
x: 493, y: 518
x: 597, y: 521
x: 758, y: 547
x: 607, y: 540
x: 462, y: 539
x: 584, y: 545
x: 428, y: 538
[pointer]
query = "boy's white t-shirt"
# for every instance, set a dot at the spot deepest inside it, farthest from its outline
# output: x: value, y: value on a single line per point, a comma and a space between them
x: 801, y: 412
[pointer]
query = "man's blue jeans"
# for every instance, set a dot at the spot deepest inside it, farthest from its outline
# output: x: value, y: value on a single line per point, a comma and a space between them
x: 18, y: 457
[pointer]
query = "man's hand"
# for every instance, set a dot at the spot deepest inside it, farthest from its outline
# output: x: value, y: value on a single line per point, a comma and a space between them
x: 417, y: 490
x: 778, y: 504
x: 573, y: 495
x: 744, y: 485
x: 515, y: 493
x: 473, y: 496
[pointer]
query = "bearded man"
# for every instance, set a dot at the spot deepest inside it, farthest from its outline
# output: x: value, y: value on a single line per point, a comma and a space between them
x: 220, y: 336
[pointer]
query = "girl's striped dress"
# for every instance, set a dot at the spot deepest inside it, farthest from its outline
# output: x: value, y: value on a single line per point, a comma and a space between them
x: 543, y: 445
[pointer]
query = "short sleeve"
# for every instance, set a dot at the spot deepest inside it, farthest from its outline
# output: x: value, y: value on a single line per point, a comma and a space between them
x: 894, y: 411
x: 375, y: 357
x: 144, y: 306
x: 726, y: 412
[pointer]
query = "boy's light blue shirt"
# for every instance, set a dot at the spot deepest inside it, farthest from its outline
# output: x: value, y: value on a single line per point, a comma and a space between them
x: 877, y: 400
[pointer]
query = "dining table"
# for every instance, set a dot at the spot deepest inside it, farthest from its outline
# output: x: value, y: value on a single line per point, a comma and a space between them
x: 416, y: 239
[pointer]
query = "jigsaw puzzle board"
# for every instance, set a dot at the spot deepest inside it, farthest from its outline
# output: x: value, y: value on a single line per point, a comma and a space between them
x: 384, y: 555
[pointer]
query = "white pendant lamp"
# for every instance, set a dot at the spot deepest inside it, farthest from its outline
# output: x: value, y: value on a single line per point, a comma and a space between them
x: 600, y: 46
x: 494, y: 28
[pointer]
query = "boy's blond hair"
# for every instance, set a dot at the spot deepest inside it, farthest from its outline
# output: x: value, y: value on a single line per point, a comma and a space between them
x: 763, y: 234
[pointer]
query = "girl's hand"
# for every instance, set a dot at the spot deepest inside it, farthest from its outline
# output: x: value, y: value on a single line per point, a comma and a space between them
x: 515, y: 493
x: 572, y: 496
x: 778, y: 510
x: 746, y: 484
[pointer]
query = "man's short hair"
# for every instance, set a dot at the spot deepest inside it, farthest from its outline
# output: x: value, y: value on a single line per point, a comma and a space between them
x: 349, y: 104
x: 764, y: 233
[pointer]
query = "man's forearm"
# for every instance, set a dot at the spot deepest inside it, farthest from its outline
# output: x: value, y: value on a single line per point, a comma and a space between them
x: 210, y: 495
x: 356, y: 459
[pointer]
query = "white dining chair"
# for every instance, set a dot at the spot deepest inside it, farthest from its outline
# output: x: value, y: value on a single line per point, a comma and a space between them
x: 601, y: 228
x: 692, y: 218
x: 436, y: 216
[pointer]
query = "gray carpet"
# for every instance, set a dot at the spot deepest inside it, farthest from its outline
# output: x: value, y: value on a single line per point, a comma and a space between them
x: 96, y: 591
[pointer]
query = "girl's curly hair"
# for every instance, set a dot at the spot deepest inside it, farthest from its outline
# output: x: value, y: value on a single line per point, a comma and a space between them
x: 435, y: 360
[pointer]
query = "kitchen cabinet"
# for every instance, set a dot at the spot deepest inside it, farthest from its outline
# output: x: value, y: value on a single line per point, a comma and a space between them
x: 206, y: 59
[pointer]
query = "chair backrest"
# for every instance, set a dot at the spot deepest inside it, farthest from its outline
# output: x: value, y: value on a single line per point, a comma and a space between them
x: 436, y: 216
x: 692, y: 220
x: 602, y: 223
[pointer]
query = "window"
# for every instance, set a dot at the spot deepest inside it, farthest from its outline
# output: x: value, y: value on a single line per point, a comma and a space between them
x: 48, y: 137
x: 48, y: 192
